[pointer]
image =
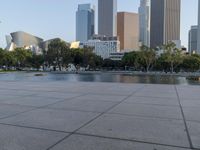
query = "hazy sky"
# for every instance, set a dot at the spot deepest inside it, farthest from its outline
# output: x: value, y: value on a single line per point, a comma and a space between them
x: 56, y: 18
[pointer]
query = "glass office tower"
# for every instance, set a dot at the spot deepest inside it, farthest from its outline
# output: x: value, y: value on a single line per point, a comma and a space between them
x: 85, y: 22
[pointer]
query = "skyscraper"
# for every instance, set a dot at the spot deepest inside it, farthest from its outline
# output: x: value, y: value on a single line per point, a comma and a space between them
x: 85, y: 22
x: 192, y: 40
x: 198, y: 43
x: 107, y: 20
x: 144, y: 22
x: 128, y: 30
x: 165, y: 22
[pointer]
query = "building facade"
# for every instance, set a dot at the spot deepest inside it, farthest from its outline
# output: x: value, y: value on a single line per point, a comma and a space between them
x: 128, y: 31
x: 198, y: 43
x: 165, y: 22
x: 102, y: 48
x: 85, y: 22
x: 192, y: 39
x: 25, y: 40
x: 107, y: 17
x: 144, y: 22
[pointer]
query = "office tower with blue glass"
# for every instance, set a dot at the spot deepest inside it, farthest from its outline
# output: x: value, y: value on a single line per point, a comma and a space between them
x: 85, y: 22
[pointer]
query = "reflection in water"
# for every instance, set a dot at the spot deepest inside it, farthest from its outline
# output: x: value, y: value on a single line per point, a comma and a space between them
x: 98, y: 77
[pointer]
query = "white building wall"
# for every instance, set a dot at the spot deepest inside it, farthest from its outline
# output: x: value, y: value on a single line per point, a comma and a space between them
x: 103, y: 48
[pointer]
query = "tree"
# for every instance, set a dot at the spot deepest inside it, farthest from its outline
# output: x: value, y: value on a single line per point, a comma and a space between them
x: 9, y: 59
x: 147, y: 56
x: 191, y: 63
x: 1, y: 56
x: 36, y: 61
x: 131, y: 59
x: 172, y: 55
x: 57, y: 49
x: 21, y: 55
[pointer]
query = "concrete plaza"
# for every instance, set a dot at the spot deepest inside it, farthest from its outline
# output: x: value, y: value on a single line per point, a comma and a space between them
x: 98, y: 116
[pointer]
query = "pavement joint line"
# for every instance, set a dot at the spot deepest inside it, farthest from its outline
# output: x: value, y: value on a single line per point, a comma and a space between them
x: 74, y: 92
x: 184, y: 119
x: 148, y: 104
x: 36, y: 108
x: 90, y: 135
x: 101, y: 114
x: 34, y: 128
x: 146, y: 117
x: 130, y: 140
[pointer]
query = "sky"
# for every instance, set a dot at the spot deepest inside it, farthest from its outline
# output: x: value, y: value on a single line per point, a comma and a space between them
x: 56, y: 18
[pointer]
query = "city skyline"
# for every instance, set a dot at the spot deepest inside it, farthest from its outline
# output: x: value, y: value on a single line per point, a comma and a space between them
x: 62, y: 22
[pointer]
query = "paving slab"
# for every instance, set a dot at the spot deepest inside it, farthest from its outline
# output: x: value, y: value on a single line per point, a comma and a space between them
x: 148, y: 110
x: 102, y: 97
x: 190, y: 103
x: 17, y: 138
x: 4, y: 97
x: 9, y: 110
x: 52, y: 119
x: 17, y: 92
x: 192, y: 113
x: 34, y: 101
x: 153, y: 101
x: 156, y: 94
x: 194, y: 130
x: 58, y: 95
x: 84, y: 105
x: 80, y: 142
x: 170, y: 132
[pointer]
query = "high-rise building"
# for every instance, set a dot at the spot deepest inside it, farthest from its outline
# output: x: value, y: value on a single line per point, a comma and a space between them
x: 165, y: 22
x: 107, y: 19
x: 128, y: 30
x: 144, y: 22
x: 192, y: 40
x: 85, y: 22
x: 198, y: 43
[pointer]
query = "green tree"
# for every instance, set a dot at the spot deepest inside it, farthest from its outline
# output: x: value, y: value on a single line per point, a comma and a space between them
x: 9, y: 59
x: 172, y: 55
x: 21, y: 55
x: 191, y: 63
x: 2, y: 52
x: 147, y: 56
x: 57, y: 50
x: 131, y: 59
x: 36, y: 61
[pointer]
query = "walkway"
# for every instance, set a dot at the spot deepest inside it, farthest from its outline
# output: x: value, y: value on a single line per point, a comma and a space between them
x: 98, y: 116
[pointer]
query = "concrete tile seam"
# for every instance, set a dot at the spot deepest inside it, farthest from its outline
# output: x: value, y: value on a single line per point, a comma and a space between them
x: 184, y: 120
x: 95, y: 118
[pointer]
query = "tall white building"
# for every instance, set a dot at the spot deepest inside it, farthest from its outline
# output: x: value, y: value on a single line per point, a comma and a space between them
x: 198, y: 43
x: 144, y: 22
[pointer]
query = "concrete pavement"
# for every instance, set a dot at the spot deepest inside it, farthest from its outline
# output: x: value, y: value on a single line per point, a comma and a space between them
x: 98, y: 116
